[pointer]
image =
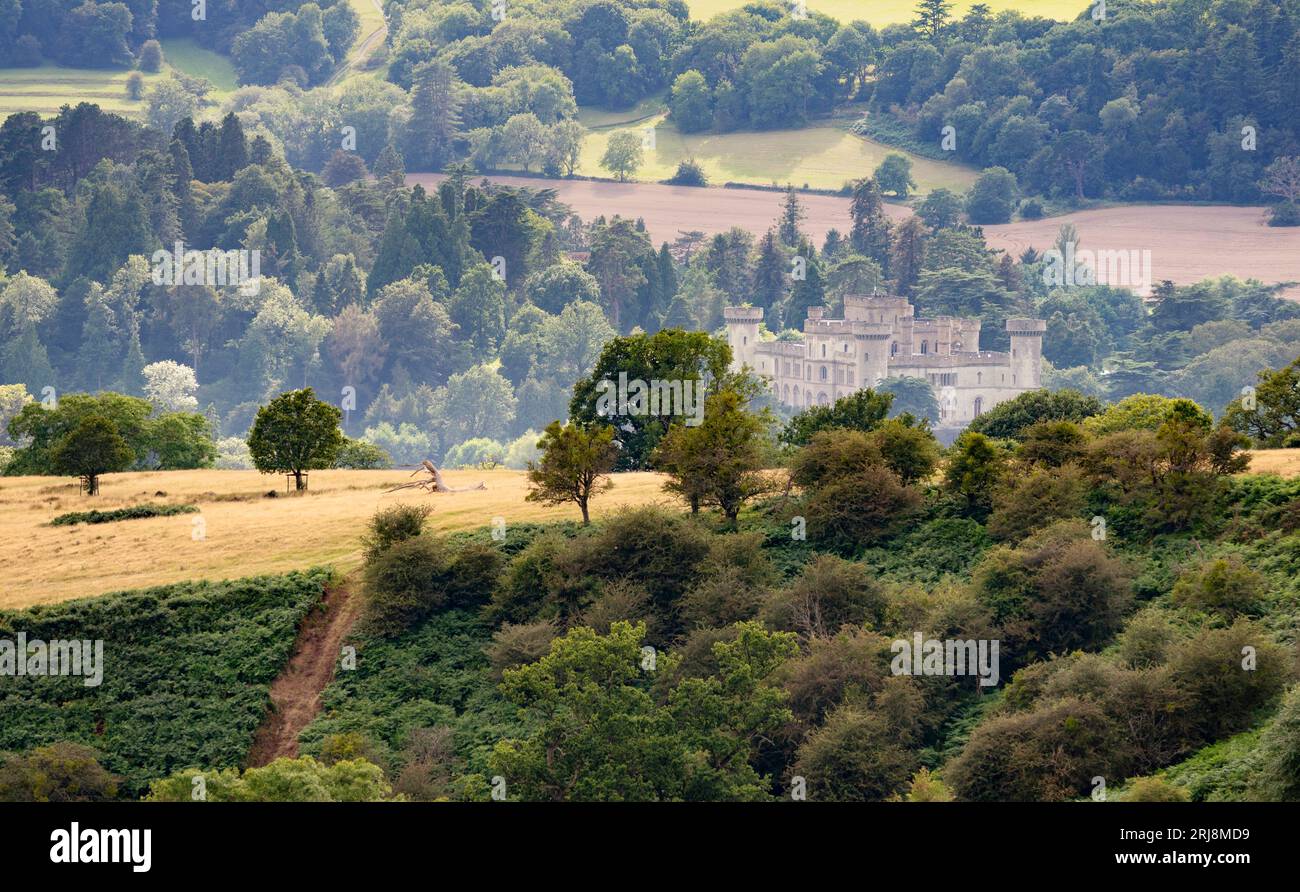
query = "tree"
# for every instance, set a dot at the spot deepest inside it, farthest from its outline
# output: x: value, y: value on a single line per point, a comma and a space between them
x: 1009, y: 420
x: 863, y: 410
x: 343, y: 168
x: 151, y: 56
x: 92, y: 448
x: 933, y: 18
x: 1282, y: 178
x: 941, y: 209
x: 993, y: 197
x: 691, y: 102
x: 720, y: 461
x: 435, y: 115
x: 911, y: 396
x: 895, y: 175
x: 295, y: 433
x: 575, y: 464
x: 478, y: 402
x: 623, y: 154
x: 975, y: 466
x: 135, y: 86
x: 170, y: 386
x: 1275, y: 416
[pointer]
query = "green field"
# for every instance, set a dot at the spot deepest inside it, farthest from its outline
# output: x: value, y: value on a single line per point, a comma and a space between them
x: 183, y: 54
x: 48, y: 88
x: 889, y: 12
x: 823, y: 156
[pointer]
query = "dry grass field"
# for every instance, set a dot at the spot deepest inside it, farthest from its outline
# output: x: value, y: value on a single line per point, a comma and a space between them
x: 1283, y: 462
x: 246, y: 533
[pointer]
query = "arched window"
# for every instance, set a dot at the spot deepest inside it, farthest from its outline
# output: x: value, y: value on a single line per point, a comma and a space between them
x: 744, y: 340
x: 893, y: 348
x: 925, y: 347
x: 979, y: 406
x: 823, y: 350
x: 979, y: 377
x: 823, y: 373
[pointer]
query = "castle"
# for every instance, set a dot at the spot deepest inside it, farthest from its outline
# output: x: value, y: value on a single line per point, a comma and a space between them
x: 878, y: 338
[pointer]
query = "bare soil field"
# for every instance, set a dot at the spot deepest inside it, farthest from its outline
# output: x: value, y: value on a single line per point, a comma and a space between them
x: 1187, y: 243
x: 244, y: 531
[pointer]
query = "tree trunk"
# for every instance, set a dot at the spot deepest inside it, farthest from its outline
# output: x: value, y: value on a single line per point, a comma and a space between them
x: 586, y: 519
x: 299, y: 483
x: 92, y: 484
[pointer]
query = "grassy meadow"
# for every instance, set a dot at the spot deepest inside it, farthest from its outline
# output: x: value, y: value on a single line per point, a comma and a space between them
x: 822, y: 156
x: 245, y: 532
x: 48, y: 88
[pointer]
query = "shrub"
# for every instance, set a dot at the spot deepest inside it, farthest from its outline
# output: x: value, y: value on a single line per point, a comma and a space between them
x: 1153, y: 789
x: 829, y: 594
x: 131, y: 512
x: 59, y: 772
x: 514, y: 645
x: 415, y: 576
x: 689, y: 173
x: 1051, y: 754
x: 1225, y: 586
x: 394, y: 524
x: 1029, y: 501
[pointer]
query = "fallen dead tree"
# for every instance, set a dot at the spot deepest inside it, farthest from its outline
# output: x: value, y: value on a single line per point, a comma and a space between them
x: 433, y: 482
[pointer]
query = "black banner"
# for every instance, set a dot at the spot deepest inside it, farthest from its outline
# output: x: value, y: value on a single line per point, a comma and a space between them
x: 510, y: 840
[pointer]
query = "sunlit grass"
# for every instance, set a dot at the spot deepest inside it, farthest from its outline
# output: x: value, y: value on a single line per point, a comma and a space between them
x: 244, y: 532
x: 822, y: 157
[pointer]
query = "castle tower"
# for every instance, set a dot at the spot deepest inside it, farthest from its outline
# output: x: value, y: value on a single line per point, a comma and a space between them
x: 742, y: 335
x: 873, y: 340
x: 1026, y: 351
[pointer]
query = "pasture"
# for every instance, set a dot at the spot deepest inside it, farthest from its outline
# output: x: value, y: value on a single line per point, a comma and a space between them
x: 244, y: 532
x: 820, y: 156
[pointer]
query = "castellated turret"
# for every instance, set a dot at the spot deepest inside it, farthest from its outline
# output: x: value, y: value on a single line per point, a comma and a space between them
x: 1026, y: 351
x: 742, y: 335
x: 881, y: 337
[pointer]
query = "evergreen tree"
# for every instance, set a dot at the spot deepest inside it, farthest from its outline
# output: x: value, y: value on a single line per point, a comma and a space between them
x: 871, y: 230
x: 791, y: 213
x: 435, y: 115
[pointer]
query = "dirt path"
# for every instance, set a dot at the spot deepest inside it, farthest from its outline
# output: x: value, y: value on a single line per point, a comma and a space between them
x: 295, y: 695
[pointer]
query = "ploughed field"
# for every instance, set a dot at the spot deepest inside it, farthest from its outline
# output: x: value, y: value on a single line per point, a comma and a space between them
x: 1187, y: 243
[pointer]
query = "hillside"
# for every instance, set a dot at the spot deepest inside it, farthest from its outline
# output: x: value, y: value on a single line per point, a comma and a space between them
x: 245, y: 532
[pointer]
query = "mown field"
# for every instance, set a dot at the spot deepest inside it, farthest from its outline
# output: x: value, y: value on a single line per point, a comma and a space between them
x: 889, y: 12
x: 47, y: 88
x: 244, y: 532
x: 823, y: 156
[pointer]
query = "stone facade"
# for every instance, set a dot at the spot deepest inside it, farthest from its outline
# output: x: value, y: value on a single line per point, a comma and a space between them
x: 880, y: 337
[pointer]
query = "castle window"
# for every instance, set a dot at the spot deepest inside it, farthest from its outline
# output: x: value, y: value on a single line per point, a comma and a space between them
x: 925, y: 347
x: 979, y: 406
x: 893, y: 348
x: 823, y: 351
x: 979, y: 377
x: 823, y: 373
x: 744, y: 340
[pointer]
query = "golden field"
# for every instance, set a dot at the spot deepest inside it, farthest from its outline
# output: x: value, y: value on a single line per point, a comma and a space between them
x: 245, y: 533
